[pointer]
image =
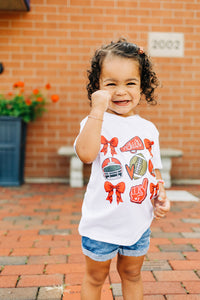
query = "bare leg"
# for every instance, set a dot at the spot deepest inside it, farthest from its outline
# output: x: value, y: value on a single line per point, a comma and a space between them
x: 95, y: 275
x: 129, y: 269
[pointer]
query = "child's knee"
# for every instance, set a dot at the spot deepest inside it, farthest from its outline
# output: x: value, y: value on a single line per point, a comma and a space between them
x: 96, y: 272
x: 129, y: 275
x: 129, y: 267
x: 97, y: 277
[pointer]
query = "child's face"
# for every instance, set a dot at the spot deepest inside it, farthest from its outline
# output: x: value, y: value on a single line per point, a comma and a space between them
x: 120, y: 76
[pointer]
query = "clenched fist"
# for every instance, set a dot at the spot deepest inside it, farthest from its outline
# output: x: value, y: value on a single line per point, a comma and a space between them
x: 100, y: 100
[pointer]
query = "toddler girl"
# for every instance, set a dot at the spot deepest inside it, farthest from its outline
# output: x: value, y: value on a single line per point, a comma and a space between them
x: 125, y: 190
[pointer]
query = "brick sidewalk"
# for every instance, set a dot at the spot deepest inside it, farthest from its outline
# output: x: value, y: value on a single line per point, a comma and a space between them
x: 40, y: 252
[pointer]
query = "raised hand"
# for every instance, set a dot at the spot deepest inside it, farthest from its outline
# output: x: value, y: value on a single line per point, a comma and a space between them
x: 100, y: 101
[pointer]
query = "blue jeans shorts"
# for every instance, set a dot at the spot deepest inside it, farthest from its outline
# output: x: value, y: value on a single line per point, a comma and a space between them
x: 101, y: 251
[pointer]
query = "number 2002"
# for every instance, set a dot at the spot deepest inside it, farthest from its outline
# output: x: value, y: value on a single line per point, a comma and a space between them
x: 166, y: 44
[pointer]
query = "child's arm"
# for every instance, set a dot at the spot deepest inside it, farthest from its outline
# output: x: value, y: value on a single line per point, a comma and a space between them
x: 161, y: 203
x: 89, y: 140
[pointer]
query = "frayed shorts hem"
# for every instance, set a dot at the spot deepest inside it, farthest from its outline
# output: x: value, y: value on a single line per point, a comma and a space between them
x: 111, y: 255
x: 101, y: 251
x: 96, y: 257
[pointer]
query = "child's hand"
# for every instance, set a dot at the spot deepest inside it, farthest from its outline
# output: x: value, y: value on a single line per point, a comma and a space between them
x: 161, y: 205
x: 100, y: 100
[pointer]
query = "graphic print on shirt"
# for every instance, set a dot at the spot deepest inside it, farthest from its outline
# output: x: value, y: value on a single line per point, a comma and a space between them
x: 137, y: 166
x: 154, y: 190
x: 119, y: 189
x: 112, y: 168
x: 151, y: 168
x: 133, y: 145
x: 139, y: 192
x: 113, y: 143
x: 148, y: 145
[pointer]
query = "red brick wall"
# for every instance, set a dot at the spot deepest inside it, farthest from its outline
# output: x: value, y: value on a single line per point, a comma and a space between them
x: 54, y: 42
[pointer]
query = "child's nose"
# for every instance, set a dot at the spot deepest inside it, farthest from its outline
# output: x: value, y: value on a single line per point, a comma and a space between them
x: 120, y: 91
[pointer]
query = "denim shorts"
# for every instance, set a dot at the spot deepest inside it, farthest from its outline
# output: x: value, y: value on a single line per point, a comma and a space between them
x: 101, y: 251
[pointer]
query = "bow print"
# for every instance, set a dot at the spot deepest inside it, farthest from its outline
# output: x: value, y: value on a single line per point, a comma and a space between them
x: 109, y: 187
x: 154, y: 188
x: 113, y: 143
x: 148, y: 145
x: 151, y: 168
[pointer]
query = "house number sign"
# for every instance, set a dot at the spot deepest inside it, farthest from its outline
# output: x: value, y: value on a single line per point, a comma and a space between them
x: 166, y: 44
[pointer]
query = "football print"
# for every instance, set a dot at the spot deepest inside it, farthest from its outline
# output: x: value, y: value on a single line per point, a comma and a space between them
x: 138, y: 166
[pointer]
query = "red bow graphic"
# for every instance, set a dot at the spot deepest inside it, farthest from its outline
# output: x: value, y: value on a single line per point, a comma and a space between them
x: 109, y: 187
x: 113, y: 143
x: 154, y: 188
x: 148, y: 145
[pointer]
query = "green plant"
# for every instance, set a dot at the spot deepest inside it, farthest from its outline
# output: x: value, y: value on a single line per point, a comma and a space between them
x: 30, y: 107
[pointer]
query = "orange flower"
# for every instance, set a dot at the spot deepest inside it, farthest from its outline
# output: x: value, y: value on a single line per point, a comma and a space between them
x: 39, y: 99
x: 28, y: 102
x: 18, y: 84
x: 48, y: 86
x: 35, y: 91
x: 54, y: 98
x: 10, y: 94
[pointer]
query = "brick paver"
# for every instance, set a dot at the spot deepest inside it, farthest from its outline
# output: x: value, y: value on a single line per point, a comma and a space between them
x: 19, y: 293
x: 40, y: 248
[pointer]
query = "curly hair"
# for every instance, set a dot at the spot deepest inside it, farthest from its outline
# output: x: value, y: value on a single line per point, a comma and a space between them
x: 149, y: 80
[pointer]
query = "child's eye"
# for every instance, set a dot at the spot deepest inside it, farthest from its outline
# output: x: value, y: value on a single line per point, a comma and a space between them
x: 110, y: 84
x: 131, y: 83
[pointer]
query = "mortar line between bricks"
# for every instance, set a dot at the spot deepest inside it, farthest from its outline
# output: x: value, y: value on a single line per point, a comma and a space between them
x: 37, y: 293
x: 26, y: 261
x: 193, y: 247
x: 187, y: 292
x: 154, y: 276
x: 198, y: 275
x: 170, y: 265
x: 44, y: 270
x: 18, y: 279
x: 110, y: 282
x: 64, y: 276
x: 11, y: 251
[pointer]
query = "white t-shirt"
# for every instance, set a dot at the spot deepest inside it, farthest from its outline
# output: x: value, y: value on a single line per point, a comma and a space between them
x: 117, y: 204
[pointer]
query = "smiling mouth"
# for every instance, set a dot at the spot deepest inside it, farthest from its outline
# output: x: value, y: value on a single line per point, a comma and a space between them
x: 122, y: 102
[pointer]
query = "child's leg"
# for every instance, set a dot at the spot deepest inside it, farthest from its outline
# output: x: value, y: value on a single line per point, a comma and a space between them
x: 129, y: 268
x: 95, y: 275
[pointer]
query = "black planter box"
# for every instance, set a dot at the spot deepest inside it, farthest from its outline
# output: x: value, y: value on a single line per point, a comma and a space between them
x: 12, y: 151
x: 15, y: 5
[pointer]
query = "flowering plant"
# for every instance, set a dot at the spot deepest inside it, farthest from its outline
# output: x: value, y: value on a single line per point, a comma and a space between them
x: 29, y: 108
